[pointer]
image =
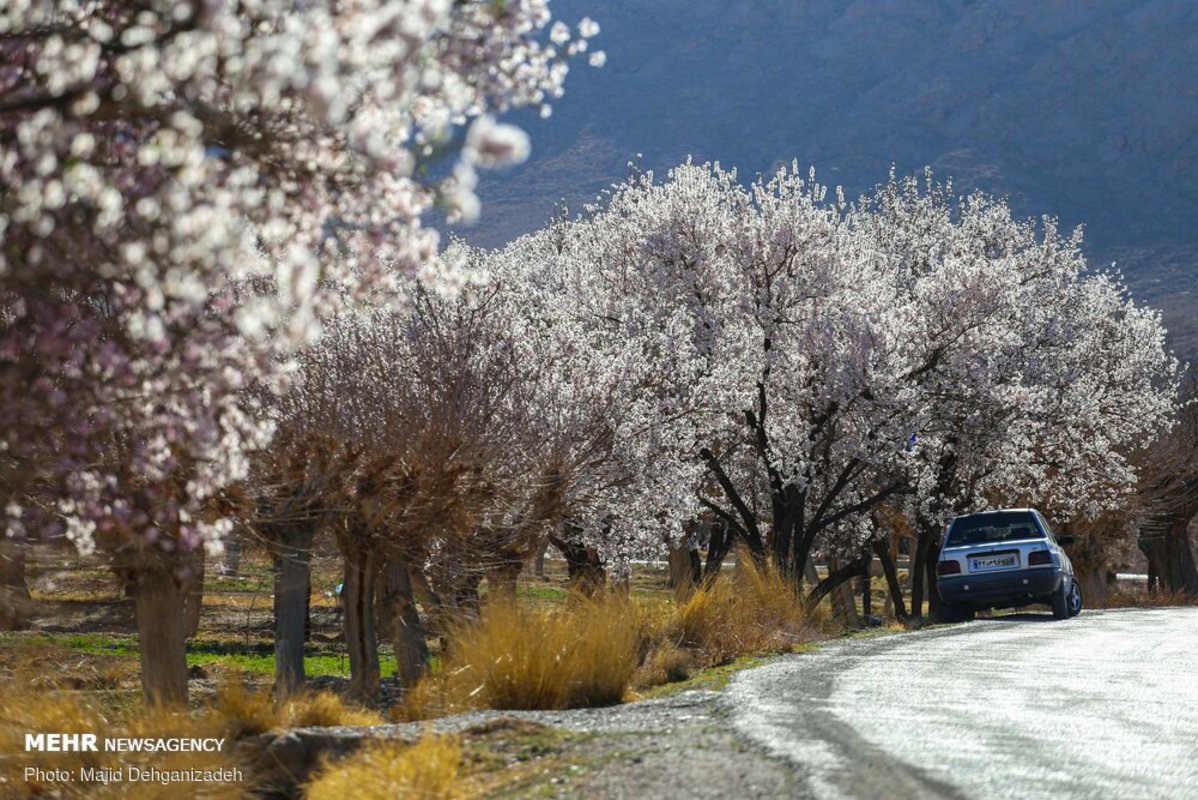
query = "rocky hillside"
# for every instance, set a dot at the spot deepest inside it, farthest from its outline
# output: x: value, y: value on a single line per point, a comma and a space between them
x: 1088, y: 111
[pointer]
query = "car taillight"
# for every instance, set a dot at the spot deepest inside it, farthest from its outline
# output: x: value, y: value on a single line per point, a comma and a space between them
x: 1039, y: 557
x: 948, y: 567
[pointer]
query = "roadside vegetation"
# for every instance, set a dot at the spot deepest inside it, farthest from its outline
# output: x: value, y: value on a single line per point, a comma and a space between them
x: 550, y: 645
x: 544, y: 648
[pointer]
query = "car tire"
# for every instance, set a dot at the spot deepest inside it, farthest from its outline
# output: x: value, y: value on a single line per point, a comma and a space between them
x: 1059, y: 600
x: 1073, y: 599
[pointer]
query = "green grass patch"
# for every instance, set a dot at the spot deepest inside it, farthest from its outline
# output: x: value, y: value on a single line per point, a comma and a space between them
x: 665, y: 598
x: 710, y: 679
x: 90, y: 643
x: 241, y: 583
x: 258, y: 658
x: 535, y: 592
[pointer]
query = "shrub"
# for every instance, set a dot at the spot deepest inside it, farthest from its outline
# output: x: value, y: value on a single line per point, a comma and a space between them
x: 525, y: 657
x: 665, y: 663
x: 427, y: 770
x: 753, y: 609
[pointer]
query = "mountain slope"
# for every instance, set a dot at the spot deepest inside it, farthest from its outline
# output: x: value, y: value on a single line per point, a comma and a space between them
x: 1088, y: 111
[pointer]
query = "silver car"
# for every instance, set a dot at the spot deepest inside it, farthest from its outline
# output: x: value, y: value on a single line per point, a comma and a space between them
x: 1005, y: 559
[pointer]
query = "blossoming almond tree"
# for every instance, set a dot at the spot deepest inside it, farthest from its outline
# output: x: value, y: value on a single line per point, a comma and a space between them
x: 791, y: 362
x: 731, y: 314
x: 1038, y: 378
x: 188, y: 188
x: 599, y: 394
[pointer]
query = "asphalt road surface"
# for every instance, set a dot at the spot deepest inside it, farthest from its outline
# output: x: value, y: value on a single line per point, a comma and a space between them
x: 1104, y: 705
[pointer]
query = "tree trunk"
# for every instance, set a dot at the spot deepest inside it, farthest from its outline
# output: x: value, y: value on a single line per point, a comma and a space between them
x: 844, y: 603
x: 717, y: 550
x: 834, y: 597
x: 837, y: 577
x: 232, y: 564
x: 466, y: 595
x: 308, y: 608
x: 402, y: 622
x: 931, y: 557
x: 361, y: 638
x: 539, y: 564
x: 867, y: 598
x: 437, y: 614
x: 14, y: 592
x: 892, y: 581
x: 293, y: 570
x: 162, y: 637
x: 1171, y: 560
x: 503, y: 579
x: 582, y: 564
x: 683, y: 562
x: 781, y: 538
x: 1093, y: 583
x: 918, y: 560
x: 193, y: 594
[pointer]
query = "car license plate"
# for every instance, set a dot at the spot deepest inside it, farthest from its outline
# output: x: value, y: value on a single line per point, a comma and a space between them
x: 985, y: 563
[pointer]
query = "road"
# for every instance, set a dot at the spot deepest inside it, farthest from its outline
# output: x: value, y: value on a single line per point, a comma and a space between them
x: 1104, y: 705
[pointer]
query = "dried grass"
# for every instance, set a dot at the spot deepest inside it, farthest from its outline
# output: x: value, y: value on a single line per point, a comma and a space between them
x: 754, y: 609
x: 320, y: 709
x: 27, y: 710
x: 1138, y: 596
x: 31, y: 704
x: 665, y: 663
x: 593, y: 650
x: 427, y: 770
x: 239, y: 712
x: 523, y: 657
x: 527, y: 657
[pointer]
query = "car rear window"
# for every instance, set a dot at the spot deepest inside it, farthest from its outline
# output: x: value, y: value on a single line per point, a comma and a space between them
x: 1003, y: 526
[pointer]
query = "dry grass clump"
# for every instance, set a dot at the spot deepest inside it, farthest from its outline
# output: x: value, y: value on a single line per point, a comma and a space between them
x: 1137, y: 596
x: 665, y: 663
x: 25, y: 710
x: 427, y: 770
x: 29, y: 704
x: 28, y: 710
x: 753, y: 610
x: 524, y: 657
x: 320, y: 709
x: 239, y: 713
x: 590, y: 652
x: 518, y: 656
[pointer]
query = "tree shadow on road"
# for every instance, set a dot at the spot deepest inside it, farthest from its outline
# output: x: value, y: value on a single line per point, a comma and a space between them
x: 1022, y: 616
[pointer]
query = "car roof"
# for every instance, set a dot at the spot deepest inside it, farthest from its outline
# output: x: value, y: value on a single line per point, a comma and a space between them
x: 996, y: 511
